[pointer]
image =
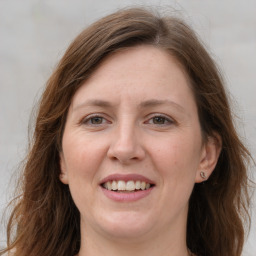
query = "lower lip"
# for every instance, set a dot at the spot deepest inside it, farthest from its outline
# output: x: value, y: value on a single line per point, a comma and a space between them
x: 126, y: 197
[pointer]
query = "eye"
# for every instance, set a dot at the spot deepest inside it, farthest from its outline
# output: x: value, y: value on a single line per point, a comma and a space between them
x: 95, y: 120
x: 160, y: 120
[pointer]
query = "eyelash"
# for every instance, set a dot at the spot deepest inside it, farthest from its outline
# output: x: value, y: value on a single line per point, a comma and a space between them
x: 88, y: 120
x: 167, y: 120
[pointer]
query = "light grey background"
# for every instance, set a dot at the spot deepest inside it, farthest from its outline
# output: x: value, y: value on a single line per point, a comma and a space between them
x: 34, y: 35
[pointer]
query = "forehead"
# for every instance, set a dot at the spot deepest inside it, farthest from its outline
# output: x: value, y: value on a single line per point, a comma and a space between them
x: 141, y: 71
x: 136, y: 59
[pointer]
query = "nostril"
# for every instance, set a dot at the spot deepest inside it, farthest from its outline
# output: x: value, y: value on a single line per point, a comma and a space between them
x: 125, y: 155
x: 125, y: 145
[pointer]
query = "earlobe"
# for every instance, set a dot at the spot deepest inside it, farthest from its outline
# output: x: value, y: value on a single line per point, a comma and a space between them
x: 203, y: 175
x: 63, y: 172
x: 210, y: 155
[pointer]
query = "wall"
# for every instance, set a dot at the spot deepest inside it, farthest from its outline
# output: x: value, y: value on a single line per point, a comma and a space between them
x: 34, y: 34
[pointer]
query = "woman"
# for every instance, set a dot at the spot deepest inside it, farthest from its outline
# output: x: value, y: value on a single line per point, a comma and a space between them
x: 134, y: 150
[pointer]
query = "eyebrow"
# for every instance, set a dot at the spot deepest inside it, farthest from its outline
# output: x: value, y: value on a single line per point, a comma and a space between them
x: 93, y: 102
x: 144, y: 104
x: 156, y: 102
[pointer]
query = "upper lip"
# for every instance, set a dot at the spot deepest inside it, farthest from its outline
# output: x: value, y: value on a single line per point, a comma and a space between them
x: 126, y: 177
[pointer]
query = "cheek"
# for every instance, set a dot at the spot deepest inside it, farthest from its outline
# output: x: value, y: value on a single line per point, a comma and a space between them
x: 82, y: 160
x: 178, y: 158
x: 178, y: 163
x: 82, y: 156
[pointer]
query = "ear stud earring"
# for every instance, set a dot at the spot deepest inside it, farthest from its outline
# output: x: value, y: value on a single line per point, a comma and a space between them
x: 203, y: 176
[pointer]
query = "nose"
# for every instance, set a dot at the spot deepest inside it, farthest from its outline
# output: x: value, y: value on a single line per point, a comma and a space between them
x: 126, y: 145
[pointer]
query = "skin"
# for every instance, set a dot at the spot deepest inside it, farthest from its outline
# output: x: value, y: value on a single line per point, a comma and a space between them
x: 149, y: 126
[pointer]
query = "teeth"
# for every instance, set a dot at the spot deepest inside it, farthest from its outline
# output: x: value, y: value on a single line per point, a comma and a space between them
x: 137, y: 184
x: 114, y: 185
x: 143, y: 185
x: 120, y: 185
x: 109, y: 185
x: 130, y: 185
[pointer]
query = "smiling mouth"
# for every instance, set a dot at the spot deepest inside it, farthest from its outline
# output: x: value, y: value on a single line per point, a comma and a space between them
x: 126, y: 187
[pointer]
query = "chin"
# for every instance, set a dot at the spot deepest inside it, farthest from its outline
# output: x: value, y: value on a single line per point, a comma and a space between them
x: 126, y: 225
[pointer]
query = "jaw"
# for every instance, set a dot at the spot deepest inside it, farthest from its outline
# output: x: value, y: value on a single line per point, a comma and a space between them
x: 132, y: 232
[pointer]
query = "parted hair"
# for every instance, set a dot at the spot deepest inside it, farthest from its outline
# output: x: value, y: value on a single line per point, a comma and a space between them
x: 45, y: 221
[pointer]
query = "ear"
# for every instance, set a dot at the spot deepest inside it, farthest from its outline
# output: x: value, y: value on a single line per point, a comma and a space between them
x: 63, y: 169
x: 209, y: 157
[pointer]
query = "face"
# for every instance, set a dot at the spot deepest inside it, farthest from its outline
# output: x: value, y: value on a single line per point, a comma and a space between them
x: 132, y: 146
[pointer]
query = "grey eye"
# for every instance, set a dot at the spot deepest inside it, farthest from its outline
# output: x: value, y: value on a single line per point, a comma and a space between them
x: 159, y: 120
x: 96, y: 120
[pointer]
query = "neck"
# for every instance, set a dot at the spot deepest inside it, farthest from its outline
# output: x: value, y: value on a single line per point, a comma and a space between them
x: 171, y: 244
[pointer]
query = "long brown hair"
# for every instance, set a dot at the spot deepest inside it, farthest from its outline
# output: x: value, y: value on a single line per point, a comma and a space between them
x: 45, y: 221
